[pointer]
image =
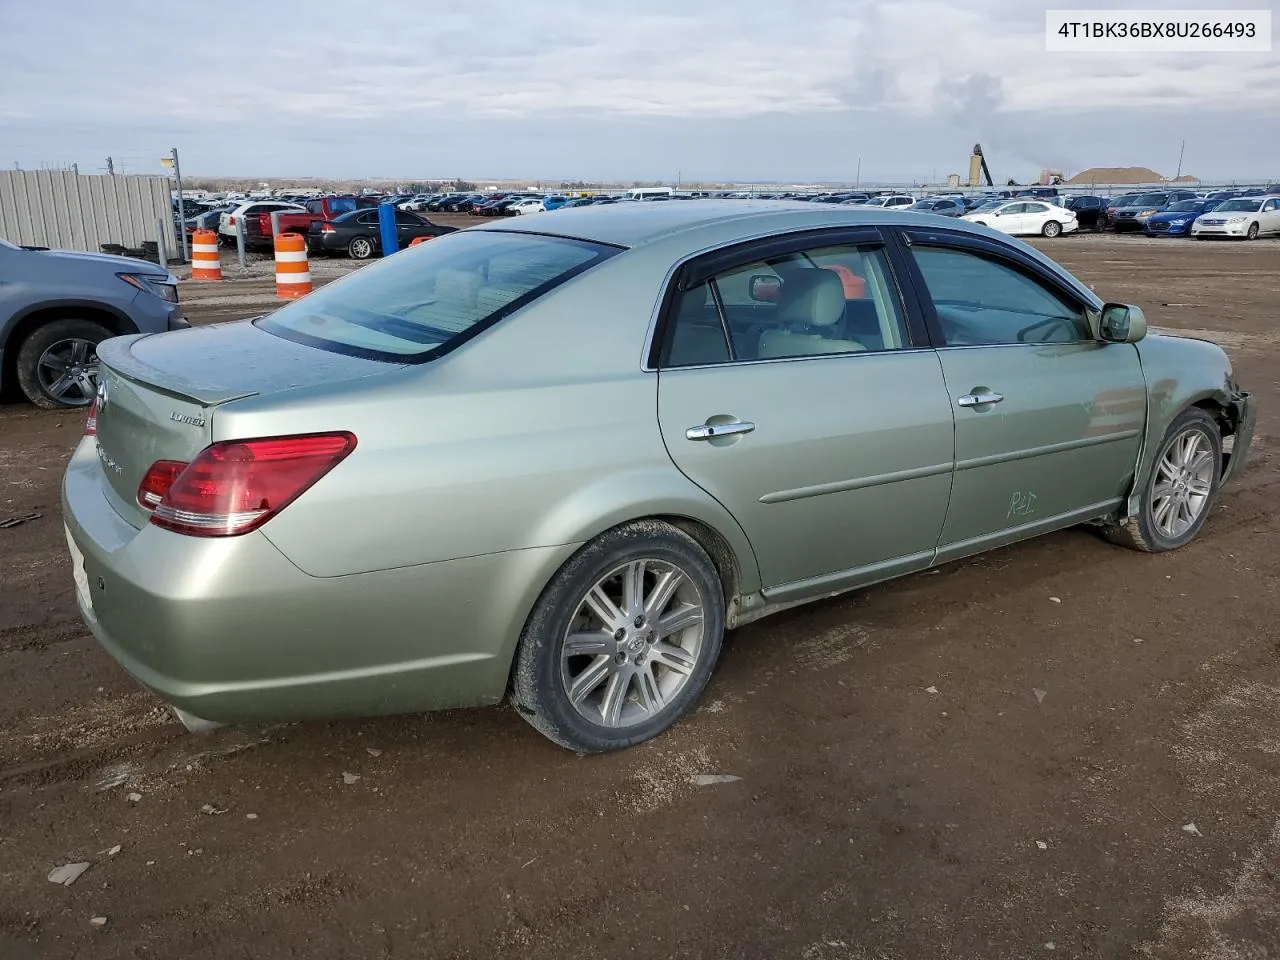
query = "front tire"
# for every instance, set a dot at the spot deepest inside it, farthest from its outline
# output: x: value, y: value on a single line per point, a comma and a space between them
x: 622, y: 641
x: 1181, y: 490
x: 1252, y: 232
x: 1051, y: 229
x: 360, y: 248
x: 58, y: 363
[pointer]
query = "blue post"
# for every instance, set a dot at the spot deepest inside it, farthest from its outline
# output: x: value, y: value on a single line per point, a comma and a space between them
x: 387, y: 227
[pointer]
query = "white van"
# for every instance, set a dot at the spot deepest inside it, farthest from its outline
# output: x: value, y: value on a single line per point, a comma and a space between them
x: 647, y: 193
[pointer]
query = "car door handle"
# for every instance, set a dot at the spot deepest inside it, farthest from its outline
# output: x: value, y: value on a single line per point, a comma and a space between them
x: 705, y: 431
x: 979, y: 399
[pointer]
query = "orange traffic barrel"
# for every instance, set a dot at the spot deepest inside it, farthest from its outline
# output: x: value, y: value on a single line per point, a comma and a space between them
x: 206, y: 263
x: 293, y: 274
x: 417, y: 240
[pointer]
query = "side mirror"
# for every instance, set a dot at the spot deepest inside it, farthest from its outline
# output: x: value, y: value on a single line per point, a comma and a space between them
x: 1122, y: 323
x: 764, y: 288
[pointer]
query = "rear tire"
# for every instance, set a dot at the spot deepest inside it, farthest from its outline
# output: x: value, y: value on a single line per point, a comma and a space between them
x: 1181, y: 490
x: 644, y: 607
x: 58, y: 363
x: 360, y: 248
x: 1051, y: 229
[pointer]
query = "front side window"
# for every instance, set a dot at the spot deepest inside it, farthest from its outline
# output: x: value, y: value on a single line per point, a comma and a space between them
x: 826, y: 300
x: 981, y: 300
x: 409, y: 306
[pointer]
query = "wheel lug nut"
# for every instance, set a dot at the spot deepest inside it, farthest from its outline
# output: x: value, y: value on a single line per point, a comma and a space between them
x: 651, y: 638
x: 621, y: 657
x: 619, y: 634
x: 639, y: 621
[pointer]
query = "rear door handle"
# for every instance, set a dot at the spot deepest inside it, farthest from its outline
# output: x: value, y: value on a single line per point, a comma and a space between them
x: 979, y: 399
x: 705, y: 431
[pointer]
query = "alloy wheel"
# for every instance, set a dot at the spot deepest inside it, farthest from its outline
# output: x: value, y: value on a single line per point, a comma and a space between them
x: 1183, y: 483
x: 632, y: 644
x: 68, y: 371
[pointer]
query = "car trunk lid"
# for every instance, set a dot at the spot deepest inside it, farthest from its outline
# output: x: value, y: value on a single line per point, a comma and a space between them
x: 161, y: 391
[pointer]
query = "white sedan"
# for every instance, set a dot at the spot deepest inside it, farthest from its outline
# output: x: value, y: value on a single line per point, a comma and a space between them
x: 531, y: 205
x: 1247, y: 217
x: 1024, y: 217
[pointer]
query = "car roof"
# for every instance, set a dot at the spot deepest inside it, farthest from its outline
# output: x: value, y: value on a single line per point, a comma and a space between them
x: 709, y: 222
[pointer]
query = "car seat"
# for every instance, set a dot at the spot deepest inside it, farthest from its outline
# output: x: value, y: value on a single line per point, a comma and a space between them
x: 810, y: 306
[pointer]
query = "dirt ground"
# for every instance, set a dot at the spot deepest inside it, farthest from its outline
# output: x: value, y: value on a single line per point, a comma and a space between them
x: 1062, y: 749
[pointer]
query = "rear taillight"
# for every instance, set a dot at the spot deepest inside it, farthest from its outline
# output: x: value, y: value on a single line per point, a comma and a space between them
x: 235, y: 486
x: 231, y: 221
x: 327, y: 228
x: 91, y: 421
x: 159, y: 478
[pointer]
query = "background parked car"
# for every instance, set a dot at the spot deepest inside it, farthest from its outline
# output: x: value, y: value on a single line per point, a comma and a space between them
x: 1025, y: 217
x: 1090, y: 211
x: 555, y: 202
x: 64, y: 304
x: 527, y: 205
x: 1115, y: 203
x: 1242, y: 217
x: 944, y: 206
x: 1176, y: 219
x: 227, y: 222
x: 891, y: 201
x: 1133, y: 215
x: 358, y: 235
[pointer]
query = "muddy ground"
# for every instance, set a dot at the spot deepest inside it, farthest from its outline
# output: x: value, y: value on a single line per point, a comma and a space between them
x: 1091, y: 705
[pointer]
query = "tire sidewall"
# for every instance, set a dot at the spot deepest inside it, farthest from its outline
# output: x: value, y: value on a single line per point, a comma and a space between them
x: 1051, y: 229
x: 355, y: 244
x: 537, y: 688
x: 38, y: 341
x: 1252, y: 232
x: 1195, y: 417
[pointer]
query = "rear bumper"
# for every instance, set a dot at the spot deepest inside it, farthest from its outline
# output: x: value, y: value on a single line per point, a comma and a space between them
x: 228, y: 629
x: 1244, y: 414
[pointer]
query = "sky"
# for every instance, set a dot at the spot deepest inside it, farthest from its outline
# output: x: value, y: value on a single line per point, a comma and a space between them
x: 617, y: 90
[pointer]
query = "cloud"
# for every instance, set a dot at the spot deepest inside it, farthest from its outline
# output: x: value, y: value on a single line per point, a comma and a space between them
x: 239, y: 73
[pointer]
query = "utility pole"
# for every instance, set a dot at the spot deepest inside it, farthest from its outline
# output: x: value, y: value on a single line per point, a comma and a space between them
x: 111, y: 167
x: 75, y: 168
x: 182, y: 208
x: 857, y: 177
x: 1181, y: 151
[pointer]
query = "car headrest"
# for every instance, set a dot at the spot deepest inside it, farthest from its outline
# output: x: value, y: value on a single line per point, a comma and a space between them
x: 811, y: 297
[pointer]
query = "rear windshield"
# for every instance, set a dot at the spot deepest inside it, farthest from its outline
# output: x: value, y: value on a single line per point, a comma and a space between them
x: 417, y: 303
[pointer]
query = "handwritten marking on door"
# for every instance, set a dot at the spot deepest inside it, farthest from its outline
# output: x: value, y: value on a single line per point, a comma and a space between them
x: 1021, y: 504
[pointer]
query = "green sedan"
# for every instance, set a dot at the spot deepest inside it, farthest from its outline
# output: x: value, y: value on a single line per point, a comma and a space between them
x: 555, y: 461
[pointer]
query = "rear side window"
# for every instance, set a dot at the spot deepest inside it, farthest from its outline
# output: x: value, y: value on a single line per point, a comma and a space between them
x: 414, y: 305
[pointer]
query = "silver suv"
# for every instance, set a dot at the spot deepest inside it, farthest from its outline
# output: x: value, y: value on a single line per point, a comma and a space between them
x: 56, y: 306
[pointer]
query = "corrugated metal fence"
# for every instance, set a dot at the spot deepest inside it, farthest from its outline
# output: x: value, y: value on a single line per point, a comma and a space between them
x: 70, y: 211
